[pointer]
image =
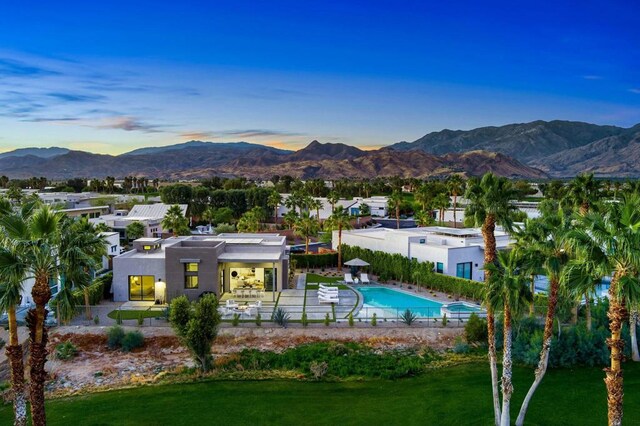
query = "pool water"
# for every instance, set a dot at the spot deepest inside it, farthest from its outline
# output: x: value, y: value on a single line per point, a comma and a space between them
x: 463, y: 308
x: 394, y: 302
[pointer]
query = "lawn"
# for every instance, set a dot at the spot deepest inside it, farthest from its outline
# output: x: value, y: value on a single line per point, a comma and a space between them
x: 315, y: 278
x: 134, y: 314
x: 458, y: 395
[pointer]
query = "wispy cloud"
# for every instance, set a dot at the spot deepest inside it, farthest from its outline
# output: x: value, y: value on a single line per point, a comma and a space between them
x: 75, y: 97
x: 128, y: 124
x: 50, y: 119
x: 635, y: 90
x: 274, y: 93
x: 593, y: 77
x: 257, y: 133
x: 197, y: 135
x: 15, y: 68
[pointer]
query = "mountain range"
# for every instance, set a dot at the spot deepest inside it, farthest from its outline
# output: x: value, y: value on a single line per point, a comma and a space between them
x: 535, y: 150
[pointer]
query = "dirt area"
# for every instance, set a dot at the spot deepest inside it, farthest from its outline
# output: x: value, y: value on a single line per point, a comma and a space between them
x: 97, y: 367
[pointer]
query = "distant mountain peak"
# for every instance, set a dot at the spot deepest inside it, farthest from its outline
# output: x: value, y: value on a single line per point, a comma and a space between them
x: 53, y: 151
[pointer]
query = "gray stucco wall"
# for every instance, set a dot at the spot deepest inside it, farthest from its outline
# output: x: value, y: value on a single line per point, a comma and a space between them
x: 208, y: 275
x: 124, y: 266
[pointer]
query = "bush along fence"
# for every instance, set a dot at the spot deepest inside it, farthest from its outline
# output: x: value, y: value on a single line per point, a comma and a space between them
x: 322, y: 260
x: 397, y: 267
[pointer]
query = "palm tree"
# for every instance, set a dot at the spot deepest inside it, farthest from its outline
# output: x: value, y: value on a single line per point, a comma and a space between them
x: 209, y: 215
x: 455, y: 185
x: 12, y: 274
x: 583, y: 192
x: 333, y: 199
x: 306, y: 226
x: 274, y: 200
x: 249, y: 222
x: 612, y: 239
x: 423, y: 196
x: 340, y: 220
x: 395, y: 202
x: 507, y: 289
x: 581, y: 277
x: 531, y: 258
x: 441, y: 202
x: 423, y: 218
x: 489, y: 204
x: 547, y: 243
x: 633, y: 323
x: 175, y: 221
x: 290, y: 218
x: 81, y: 250
x: 36, y: 234
x: 315, y: 204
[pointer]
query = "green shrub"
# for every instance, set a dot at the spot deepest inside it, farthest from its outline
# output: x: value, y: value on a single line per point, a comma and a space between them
x: 118, y: 317
x: 96, y: 320
x: 318, y: 369
x: 281, y: 317
x: 374, y: 320
x: 258, y: 319
x: 304, y: 320
x: 408, y: 317
x: 460, y: 346
x: 66, y: 350
x: 114, y: 336
x: 445, y: 321
x: 313, y: 260
x: 140, y: 320
x: 132, y: 340
x: 236, y: 320
x: 475, y: 330
x: 327, y: 319
x: 351, y: 319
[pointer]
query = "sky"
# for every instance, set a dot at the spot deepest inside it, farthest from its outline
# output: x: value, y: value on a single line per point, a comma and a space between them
x: 109, y: 77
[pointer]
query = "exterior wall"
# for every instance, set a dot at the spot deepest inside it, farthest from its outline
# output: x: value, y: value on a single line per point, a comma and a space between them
x: 124, y: 265
x: 208, y: 274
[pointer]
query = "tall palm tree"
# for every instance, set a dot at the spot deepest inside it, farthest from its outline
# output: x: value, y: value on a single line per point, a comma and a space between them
x: 441, y: 202
x: 274, y: 200
x: 423, y: 196
x: 290, y: 218
x: 507, y: 289
x: 455, y: 185
x: 175, y: 220
x: 340, y: 220
x: 489, y: 204
x: 333, y: 199
x: 209, y: 214
x: 315, y: 204
x: 395, y: 202
x: 633, y: 323
x: 612, y: 239
x: 12, y: 274
x: 581, y: 277
x: 306, y: 226
x: 583, y: 192
x: 546, y: 242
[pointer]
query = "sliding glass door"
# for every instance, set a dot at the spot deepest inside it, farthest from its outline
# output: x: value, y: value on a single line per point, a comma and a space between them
x: 142, y: 287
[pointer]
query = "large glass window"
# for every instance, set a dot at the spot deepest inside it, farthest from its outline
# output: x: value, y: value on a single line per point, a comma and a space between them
x: 463, y: 270
x: 190, y: 275
x: 142, y: 287
x: 247, y: 278
x: 440, y: 268
x: 270, y: 274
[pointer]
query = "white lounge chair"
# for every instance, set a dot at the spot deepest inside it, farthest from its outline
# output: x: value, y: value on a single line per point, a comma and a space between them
x: 326, y: 287
x: 365, y: 279
x: 348, y: 279
x: 328, y: 299
x: 230, y: 306
x: 256, y: 305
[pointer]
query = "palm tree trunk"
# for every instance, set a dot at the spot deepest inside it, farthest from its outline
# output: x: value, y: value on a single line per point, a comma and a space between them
x: 340, y: 248
x: 587, y: 310
x: 547, y: 334
x: 306, y: 245
x: 41, y: 294
x: 507, y: 385
x: 455, y: 206
x: 532, y: 306
x: 488, y: 229
x: 15, y: 354
x: 574, y: 313
x: 614, y: 380
x: 87, y: 303
x: 633, y: 322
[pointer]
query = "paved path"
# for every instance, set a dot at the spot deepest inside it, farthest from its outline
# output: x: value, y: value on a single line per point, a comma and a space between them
x: 301, y: 281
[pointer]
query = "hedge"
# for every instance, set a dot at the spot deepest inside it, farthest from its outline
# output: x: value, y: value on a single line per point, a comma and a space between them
x: 454, y: 285
x: 312, y: 260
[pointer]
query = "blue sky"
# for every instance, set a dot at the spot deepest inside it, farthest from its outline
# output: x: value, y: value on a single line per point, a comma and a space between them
x: 113, y: 76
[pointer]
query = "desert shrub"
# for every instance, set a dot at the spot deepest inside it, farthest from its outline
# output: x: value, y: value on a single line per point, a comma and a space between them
x: 460, y: 346
x: 236, y: 320
x: 304, y: 320
x: 258, y: 319
x: 140, y: 319
x: 318, y: 369
x: 118, y: 317
x: 475, y: 330
x: 281, y: 317
x: 351, y: 319
x: 327, y: 319
x: 131, y: 341
x: 374, y: 319
x: 66, y: 350
x: 445, y: 320
x: 96, y: 320
x: 408, y: 317
x: 114, y: 336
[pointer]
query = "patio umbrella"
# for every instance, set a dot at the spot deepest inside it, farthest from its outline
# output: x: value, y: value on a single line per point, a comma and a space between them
x: 355, y: 264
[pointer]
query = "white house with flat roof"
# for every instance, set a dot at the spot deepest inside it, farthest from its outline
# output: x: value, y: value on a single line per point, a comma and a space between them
x: 157, y: 270
x: 455, y: 252
x: 377, y: 205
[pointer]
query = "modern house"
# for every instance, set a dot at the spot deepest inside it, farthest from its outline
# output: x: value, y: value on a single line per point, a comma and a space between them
x: 157, y: 270
x: 150, y: 215
x: 377, y: 205
x: 455, y: 252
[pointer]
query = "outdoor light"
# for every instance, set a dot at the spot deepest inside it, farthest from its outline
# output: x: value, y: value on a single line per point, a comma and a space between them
x: 160, y: 291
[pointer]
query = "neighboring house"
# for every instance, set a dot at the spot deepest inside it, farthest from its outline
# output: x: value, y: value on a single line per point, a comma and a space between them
x: 158, y: 270
x: 378, y: 206
x: 89, y: 212
x: 112, y: 241
x: 150, y: 215
x: 455, y: 252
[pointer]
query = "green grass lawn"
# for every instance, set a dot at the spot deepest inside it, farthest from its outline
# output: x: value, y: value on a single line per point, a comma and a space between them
x: 135, y: 314
x: 315, y: 278
x: 458, y: 395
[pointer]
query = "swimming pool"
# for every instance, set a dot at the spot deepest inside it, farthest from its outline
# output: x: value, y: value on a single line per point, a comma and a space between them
x: 390, y: 303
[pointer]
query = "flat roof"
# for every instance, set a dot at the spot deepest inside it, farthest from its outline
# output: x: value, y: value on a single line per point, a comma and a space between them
x: 250, y: 256
x: 148, y: 240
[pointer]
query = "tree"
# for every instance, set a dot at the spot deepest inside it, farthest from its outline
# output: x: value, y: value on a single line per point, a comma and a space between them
x: 424, y: 218
x: 441, y: 202
x: 12, y: 273
x: 340, y: 220
x: 455, y: 185
x: 315, y: 204
x: 489, y: 204
x: 134, y: 230
x: 175, y: 221
x: 395, y: 202
x: 546, y: 242
x: 506, y: 288
x: 333, y: 199
x: 209, y: 214
x: 611, y: 238
x: 14, y: 194
x: 274, y: 201
x: 196, y: 324
x: 306, y: 226
x: 290, y: 218
x: 249, y: 222
x: 583, y: 192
